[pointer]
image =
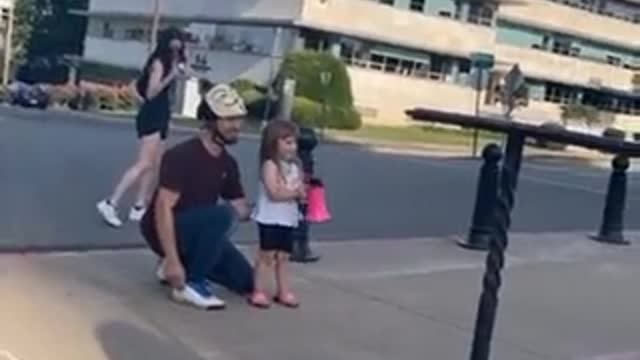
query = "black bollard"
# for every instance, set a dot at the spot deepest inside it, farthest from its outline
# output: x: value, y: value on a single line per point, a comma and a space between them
x: 486, y: 197
x: 612, y: 229
x: 492, y: 280
x: 302, y: 253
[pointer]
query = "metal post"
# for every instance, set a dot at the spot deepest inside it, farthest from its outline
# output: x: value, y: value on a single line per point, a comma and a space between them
x: 477, y: 110
x: 488, y: 305
x: 325, y: 80
x: 277, y: 35
x: 302, y: 252
x: 487, y: 194
x: 612, y: 229
x: 8, y: 46
x: 154, y: 26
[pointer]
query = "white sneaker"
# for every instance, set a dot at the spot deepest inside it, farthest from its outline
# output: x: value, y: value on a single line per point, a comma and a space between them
x: 109, y: 213
x: 136, y: 213
x: 162, y: 278
x: 198, y: 295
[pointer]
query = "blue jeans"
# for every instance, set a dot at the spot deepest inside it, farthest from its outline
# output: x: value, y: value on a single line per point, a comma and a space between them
x: 206, y: 250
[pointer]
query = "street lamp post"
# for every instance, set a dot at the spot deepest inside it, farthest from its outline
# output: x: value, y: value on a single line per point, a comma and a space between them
x: 480, y: 62
x: 154, y: 25
x: 325, y: 80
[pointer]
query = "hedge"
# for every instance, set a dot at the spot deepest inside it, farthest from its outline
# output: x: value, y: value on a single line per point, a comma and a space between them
x: 306, y: 66
x: 309, y: 113
x: 306, y: 112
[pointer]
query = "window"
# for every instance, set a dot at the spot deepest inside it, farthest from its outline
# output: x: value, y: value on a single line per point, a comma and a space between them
x: 134, y: 34
x: 387, y: 2
x: 574, y: 51
x: 391, y: 64
x: 561, y: 46
x: 377, y: 61
x: 614, y: 60
x: 406, y: 67
x: 480, y: 14
x: 417, y: 5
x: 107, y: 30
x: 561, y: 94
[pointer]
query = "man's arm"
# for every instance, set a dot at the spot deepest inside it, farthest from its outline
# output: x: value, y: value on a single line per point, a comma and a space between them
x: 234, y: 194
x: 242, y: 208
x: 165, y: 225
x: 165, y: 222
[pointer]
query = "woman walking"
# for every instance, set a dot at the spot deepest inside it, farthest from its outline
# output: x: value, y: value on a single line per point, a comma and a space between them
x: 152, y: 125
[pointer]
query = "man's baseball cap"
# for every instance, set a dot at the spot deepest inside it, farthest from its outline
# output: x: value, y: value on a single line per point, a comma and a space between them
x: 225, y: 102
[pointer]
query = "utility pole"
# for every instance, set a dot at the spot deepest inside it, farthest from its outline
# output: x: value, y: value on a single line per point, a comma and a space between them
x: 154, y: 25
x: 8, y: 44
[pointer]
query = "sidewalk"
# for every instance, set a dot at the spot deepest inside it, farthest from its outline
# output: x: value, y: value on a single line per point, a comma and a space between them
x: 564, y: 297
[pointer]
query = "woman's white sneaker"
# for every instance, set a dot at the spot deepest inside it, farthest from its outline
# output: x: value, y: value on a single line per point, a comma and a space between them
x: 109, y: 213
x: 137, y: 213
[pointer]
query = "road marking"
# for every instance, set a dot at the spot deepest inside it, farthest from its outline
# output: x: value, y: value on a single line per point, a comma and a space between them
x: 530, y: 178
x: 618, y: 356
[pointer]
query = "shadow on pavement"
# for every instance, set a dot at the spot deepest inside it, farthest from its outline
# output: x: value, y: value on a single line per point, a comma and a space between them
x: 122, y: 341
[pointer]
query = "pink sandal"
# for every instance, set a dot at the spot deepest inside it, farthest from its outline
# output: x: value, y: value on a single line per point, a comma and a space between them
x: 259, y: 300
x: 287, y: 300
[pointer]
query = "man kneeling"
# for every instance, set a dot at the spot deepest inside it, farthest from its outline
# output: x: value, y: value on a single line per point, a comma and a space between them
x: 185, y: 225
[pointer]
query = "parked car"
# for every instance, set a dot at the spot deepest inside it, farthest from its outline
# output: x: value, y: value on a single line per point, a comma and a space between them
x: 29, y: 96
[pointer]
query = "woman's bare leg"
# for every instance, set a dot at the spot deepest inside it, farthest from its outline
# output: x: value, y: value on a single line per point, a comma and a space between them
x: 149, y: 147
x: 148, y: 178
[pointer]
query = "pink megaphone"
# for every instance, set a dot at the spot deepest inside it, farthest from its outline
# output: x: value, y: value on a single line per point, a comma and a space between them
x: 317, y: 211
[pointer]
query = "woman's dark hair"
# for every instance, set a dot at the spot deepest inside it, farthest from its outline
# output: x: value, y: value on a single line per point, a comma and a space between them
x: 164, y: 54
x: 163, y: 50
x: 274, y: 131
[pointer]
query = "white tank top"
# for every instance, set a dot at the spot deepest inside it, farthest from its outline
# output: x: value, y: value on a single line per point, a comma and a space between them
x: 283, y: 213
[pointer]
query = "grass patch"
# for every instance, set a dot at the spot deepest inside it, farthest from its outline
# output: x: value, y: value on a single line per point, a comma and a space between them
x: 416, y: 134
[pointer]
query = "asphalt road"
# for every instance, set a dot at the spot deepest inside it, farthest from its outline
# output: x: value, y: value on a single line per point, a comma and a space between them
x: 54, y: 167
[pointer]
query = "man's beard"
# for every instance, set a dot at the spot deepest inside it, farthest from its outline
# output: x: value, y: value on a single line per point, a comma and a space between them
x: 221, y: 140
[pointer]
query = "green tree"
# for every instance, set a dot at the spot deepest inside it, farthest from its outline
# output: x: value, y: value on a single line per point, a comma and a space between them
x: 306, y: 66
x: 589, y: 114
x: 57, y: 31
x: 25, y: 16
x: 320, y: 104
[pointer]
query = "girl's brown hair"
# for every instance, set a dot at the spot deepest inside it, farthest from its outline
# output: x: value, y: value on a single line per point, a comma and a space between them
x: 274, y: 131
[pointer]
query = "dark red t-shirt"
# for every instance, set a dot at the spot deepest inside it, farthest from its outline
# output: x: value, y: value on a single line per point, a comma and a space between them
x: 200, y: 178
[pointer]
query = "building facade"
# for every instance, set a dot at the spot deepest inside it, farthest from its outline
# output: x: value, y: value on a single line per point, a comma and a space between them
x: 405, y: 53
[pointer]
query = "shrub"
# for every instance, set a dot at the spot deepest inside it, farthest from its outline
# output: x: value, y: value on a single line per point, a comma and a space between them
x: 343, y: 118
x: 61, y: 95
x: 309, y: 113
x: 614, y: 133
x: 105, y: 98
x: 306, y: 112
x: 589, y: 114
x: 88, y: 100
x: 242, y: 85
x: 127, y: 99
x: 306, y: 66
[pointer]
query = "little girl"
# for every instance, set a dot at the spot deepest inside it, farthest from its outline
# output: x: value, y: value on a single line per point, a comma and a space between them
x: 276, y: 211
